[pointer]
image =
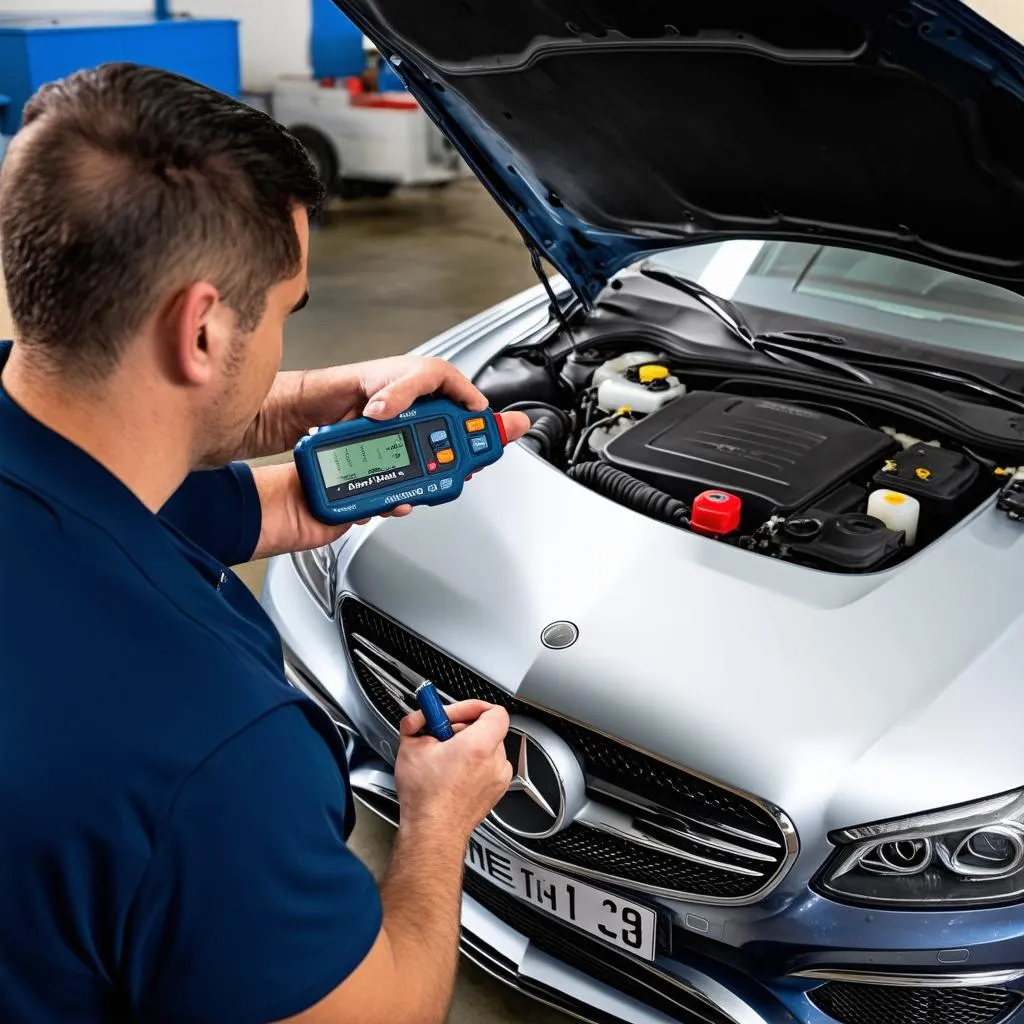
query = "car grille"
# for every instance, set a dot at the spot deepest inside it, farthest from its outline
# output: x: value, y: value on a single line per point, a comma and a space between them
x: 611, y: 855
x: 686, y: 867
x: 854, y: 1003
x: 627, y: 975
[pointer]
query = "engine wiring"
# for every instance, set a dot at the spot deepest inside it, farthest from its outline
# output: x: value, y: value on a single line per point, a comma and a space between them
x: 588, y: 432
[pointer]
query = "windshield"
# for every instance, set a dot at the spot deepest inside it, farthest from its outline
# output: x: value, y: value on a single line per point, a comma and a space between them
x: 846, y: 287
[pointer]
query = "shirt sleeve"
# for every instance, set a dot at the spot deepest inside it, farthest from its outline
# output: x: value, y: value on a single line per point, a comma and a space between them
x: 219, y: 511
x: 253, y: 908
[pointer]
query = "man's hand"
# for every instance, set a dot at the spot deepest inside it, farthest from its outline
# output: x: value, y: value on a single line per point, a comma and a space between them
x: 445, y: 790
x: 453, y: 785
x: 379, y: 389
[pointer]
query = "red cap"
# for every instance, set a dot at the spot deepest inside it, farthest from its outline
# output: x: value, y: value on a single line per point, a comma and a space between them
x: 501, y: 428
x: 715, y: 513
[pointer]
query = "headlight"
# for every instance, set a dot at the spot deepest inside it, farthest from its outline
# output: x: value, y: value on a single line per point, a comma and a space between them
x: 968, y: 855
x: 316, y: 570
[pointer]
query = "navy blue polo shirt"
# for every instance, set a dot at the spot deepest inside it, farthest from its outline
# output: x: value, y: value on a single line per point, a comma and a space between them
x: 173, y: 815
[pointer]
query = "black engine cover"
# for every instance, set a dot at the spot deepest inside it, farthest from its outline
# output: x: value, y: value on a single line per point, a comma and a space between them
x: 778, y: 457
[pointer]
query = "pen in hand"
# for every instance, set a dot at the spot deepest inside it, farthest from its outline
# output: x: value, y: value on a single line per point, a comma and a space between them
x: 433, y: 711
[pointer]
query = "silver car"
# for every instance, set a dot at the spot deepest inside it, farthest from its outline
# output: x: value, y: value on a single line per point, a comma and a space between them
x: 751, y: 585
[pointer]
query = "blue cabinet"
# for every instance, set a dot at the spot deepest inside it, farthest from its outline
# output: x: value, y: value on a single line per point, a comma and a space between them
x: 37, y: 49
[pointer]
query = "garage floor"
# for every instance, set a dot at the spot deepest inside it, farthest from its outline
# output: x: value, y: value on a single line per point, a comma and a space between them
x: 385, y: 276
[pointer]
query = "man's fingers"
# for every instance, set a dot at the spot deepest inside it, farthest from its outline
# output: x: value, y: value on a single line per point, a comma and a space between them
x: 460, y: 389
x: 398, y: 510
x: 467, y: 710
x: 412, y: 723
x: 491, y: 727
x: 430, y: 376
x: 516, y: 424
x: 462, y: 712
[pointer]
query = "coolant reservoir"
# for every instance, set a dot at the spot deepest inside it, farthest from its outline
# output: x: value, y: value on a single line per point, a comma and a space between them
x: 642, y: 387
x: 602, y: 435
x: 897, y: 511
x: 618, y: 366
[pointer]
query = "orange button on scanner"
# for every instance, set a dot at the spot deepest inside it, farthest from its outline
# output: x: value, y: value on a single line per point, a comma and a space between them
x: 446, y: 455
x: 475, y: 426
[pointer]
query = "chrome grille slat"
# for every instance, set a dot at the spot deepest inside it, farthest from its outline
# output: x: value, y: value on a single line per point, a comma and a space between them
x: 603, y: 789
x: 643, y: 824
x: 714, y: 845
x: 632, y: 836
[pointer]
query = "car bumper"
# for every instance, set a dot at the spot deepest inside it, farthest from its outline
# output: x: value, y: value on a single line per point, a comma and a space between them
x: 696, y: 981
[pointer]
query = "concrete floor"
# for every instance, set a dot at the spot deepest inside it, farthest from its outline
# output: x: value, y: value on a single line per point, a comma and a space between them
x: 385, y: 276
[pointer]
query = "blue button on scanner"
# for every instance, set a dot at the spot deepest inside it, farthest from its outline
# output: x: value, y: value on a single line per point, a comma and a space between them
x: 478, y: 444
x: 439, y: 439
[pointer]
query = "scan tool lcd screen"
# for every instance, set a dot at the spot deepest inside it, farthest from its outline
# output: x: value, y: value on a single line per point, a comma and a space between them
x: 360, y: 466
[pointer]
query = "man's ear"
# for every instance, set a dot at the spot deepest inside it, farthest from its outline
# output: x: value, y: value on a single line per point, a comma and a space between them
x: 193, y: 333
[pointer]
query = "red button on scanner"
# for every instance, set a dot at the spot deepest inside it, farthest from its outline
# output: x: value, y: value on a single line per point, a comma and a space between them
x: 431, y: 467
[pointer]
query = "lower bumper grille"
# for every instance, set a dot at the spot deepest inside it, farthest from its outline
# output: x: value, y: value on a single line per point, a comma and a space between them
x: 713, y: 871
x: 590, y: 957
x: 854, y: 1003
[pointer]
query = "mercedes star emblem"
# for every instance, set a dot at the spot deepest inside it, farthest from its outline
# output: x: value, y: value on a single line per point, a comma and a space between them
x: 547, y: 788
x: 521, y: 781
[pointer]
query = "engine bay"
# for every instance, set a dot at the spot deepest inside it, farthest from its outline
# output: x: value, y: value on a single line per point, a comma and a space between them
x: 786, y: 472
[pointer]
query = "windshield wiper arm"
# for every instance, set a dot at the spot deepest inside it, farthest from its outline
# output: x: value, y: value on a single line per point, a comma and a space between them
x: 895, y: 365
x: 963, y: 380
x: 771, y: 343
x: 811, y: 336
x: 722, y: 308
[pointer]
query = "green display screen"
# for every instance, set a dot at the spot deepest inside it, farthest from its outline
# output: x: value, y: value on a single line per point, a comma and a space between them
x: 347, y: 462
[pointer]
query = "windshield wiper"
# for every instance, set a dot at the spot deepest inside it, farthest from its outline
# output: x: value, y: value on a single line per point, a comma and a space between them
x: 895, y: 366
x: 722, y: 308
x: 796, y: 345
x: 772, y: 344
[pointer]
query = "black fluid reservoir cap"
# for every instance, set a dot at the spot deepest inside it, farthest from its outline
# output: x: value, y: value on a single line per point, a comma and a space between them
x: 803, y: 528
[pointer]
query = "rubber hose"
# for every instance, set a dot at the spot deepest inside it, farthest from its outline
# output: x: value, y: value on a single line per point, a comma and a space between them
x: 627, y: 490
x: 546, y: 435
x: 529, y: 407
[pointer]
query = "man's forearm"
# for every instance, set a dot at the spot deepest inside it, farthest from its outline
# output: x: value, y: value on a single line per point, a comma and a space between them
x: 285, y: 521
x: 294, y: 396
x: 422, y: 895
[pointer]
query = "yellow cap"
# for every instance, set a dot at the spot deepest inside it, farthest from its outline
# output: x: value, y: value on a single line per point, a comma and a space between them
x: 652, y: 372
x: 922, y: 473
x: 892, y: 498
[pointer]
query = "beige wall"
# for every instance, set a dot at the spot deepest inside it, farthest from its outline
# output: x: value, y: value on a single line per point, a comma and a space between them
x: 1007, y: 14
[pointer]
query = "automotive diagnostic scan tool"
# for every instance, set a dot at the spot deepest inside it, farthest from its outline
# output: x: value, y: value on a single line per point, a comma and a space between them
x: 362, y: 467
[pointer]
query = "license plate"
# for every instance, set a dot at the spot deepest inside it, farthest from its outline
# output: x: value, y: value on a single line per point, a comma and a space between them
x: 606, y: 917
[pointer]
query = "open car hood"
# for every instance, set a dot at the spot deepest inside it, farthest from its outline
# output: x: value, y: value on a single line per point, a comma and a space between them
x: 607, y: 129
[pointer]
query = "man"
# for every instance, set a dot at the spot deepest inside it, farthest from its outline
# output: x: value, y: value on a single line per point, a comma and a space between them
x: 173, y: 814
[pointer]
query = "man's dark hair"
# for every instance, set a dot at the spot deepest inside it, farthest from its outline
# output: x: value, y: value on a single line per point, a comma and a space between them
x: 128, y: 181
